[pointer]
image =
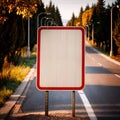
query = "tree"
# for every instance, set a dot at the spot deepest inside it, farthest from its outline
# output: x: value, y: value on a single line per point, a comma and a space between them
x: 33, y: 25
x: 80, y: 17
x: 71, y: 22
x: 107, y: 29
x: 100, y: 10
x: 116, y: 33
x: 87, y: 7
x: 98, y: 17
x: 12, y: 27
x: 55, y: 13
x: 116, y: 29
x: 26, y: 8
x: 58, y: 19
x: 12, y: 36
x: 86, y: 16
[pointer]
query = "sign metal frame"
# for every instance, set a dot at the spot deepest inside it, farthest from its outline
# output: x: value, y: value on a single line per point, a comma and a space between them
x: 39, y: 57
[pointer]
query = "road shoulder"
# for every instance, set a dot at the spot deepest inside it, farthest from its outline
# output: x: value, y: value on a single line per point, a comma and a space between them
x: 5, y: 110
x: 105, y: 56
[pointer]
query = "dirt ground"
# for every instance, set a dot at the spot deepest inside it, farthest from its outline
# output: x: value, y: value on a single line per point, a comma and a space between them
x: 36, y: 117
x: 43, y: 117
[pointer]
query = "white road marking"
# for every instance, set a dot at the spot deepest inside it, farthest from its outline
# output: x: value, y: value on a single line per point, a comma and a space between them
x: 117, y: 75
x: 94, y: 60
x: 87, y: 105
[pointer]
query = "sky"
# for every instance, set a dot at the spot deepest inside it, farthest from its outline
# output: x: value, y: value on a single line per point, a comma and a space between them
x: 67, y: 7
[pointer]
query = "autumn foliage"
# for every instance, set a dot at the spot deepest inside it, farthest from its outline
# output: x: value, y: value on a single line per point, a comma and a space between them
x: 97, y: 19
x: 26, y: 8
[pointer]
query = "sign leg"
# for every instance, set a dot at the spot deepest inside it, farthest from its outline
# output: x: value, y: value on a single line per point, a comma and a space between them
x: 46, y: 102
x: 73, y: 103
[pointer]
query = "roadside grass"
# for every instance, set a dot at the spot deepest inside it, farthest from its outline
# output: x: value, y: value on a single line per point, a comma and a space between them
x: 28, y: 61
x: 117, y: 57
x: 99, y: 49
x: 12, y: 76
x: 102, y: 50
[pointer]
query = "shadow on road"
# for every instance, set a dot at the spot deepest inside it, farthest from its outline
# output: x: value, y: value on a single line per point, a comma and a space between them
x: 97, y: 70
x: 89, y: 50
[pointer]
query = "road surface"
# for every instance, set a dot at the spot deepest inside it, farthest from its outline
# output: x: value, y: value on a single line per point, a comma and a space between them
x: 100, y: 99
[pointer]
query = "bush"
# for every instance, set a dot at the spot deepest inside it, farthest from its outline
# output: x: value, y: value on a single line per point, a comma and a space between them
x: 4, y: 94
x: 12, y: 76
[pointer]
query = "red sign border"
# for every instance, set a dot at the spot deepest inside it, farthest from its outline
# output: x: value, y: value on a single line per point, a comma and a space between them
x: 38, y: 57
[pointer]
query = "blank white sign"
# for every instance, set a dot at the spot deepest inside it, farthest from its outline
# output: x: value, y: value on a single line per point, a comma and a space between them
x: 60, y: 58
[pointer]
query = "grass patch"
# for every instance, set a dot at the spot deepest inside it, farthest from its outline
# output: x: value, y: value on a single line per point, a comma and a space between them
x: 4, y: 94
x: 117, y: 57
x: 28, y: 61
x: 11, y: 77
x: 102, y: 50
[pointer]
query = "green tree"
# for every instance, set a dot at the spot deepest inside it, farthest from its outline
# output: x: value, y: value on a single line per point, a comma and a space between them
x: 58, y: 19
x: 33, y: 25
x: 80, y: 16
x: 12, y: 38
x: 107, y: 29
x: 100, y: 11
x: 71, y: 22
x: 55, y: 13
x: 87, y: 7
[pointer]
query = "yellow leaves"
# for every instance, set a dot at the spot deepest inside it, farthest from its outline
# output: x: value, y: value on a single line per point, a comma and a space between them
x: 19, y: 72
x: 26, y: 11
x: 26, y: 8
x: 86, y: 16
x: 10, y: 8
x: 3, y: 19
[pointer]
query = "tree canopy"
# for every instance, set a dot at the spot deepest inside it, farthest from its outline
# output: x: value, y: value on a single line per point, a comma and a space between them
x: 14, y: 16
x: 13, y: 30
x: 97, y: 19
x: 26, y: 8
x: 55, y: 13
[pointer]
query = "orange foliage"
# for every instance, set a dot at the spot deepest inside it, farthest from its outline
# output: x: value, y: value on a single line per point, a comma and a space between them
x: 86, y: 16
x: 26, y: 8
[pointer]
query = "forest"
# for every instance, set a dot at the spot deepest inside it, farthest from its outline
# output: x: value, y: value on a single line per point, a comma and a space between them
x: 14, y: 16
x: 97, y: 20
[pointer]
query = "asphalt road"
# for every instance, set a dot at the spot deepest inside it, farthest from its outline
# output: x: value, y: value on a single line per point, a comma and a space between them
x: 100, y: 99
x: 102, y: 86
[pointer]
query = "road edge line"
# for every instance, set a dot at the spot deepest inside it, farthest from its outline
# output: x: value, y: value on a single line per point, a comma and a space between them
x: 86, y: 104
x: 105, y: 56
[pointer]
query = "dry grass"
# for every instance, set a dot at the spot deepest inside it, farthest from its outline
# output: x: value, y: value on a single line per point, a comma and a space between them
x: 12, y: 76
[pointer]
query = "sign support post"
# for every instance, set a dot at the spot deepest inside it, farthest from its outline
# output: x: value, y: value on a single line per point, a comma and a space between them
x: 73, y: 103
x: 46, y: 102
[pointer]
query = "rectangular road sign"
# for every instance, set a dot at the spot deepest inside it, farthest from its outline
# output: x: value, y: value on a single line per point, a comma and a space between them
x: 60, y: 58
